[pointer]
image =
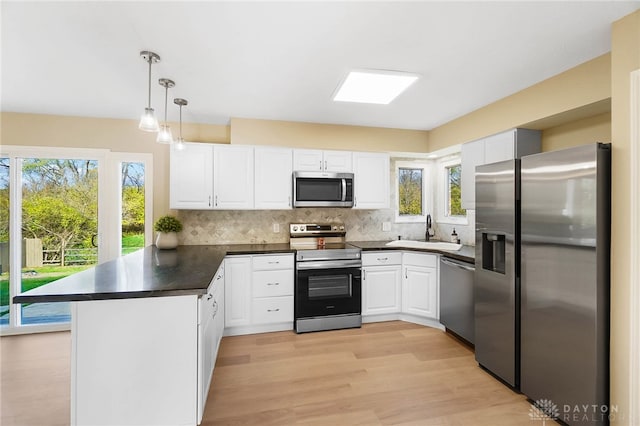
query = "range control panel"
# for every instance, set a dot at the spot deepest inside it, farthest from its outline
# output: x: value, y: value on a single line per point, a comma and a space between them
x: 316, y: 229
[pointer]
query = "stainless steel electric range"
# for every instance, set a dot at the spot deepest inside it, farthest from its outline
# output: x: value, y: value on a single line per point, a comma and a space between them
x: 328, y: 289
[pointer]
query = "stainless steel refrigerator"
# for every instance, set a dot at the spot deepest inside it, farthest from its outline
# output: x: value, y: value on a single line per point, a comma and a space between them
x: 496, y: 281
x: 565, y: 249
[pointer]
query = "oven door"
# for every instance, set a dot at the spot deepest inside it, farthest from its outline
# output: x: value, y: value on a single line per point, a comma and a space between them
x: 327, y: 291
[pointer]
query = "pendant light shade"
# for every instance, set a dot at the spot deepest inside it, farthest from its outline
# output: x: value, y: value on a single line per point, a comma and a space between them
x: 180, y: 102
x: 164, y: 135
x: 148, y: 121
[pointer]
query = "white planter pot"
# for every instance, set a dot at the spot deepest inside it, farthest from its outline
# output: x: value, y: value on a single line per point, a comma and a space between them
x: 167, y: 240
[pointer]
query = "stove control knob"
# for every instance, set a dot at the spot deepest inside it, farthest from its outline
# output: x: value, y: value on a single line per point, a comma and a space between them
x: 342, y: 227
x: 302, y: 228
x: 334, y: 228
x: 295, y: 228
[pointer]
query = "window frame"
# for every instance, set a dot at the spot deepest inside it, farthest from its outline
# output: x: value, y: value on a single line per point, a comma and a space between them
x: 443, y: 191
x: 427, y: 200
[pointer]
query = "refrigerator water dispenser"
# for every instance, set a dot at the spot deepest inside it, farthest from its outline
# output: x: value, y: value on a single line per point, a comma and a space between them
x: 493, y: 254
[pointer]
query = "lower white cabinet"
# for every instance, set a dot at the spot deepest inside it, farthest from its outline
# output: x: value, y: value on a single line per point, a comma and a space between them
x: 210, y: 330
x: 259, y: 293
x: 420, y: 285
x: 381, y: 283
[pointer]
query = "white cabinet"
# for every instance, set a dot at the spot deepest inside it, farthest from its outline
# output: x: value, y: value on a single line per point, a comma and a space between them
x: 232, y: 177
x: 371, y: 180
x: 191, y: 176
x: 381, y: 283
x: 259, y: 293
x: 322, y: 161
x: 272, y: 295
x: 210, y: 329
x: 508, y: 145
x: 420, y: 285
x: 273, y: 178
x: 237, y: 304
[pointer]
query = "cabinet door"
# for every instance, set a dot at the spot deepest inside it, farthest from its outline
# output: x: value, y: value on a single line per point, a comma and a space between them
x: 191, y: 176
x: 420, y: 291
x: 273, y: 181
x: 232, y: 177
x: 381, y: 290
x: 307, y: 160
x: 371, y: 180
x: 237, y: 304
x: 337, y: 161
x: 499, y: 147
x: 472, y: 156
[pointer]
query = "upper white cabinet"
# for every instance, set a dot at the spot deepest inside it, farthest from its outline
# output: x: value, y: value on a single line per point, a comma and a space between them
x: 191, y: 184
x: 273, y: 170
x: 322, y: 161
x: 508, y: 145
x: 371, y: 180
x: 232, y: 177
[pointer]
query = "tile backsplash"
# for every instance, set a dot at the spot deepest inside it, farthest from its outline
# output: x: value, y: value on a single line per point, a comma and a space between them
x: 256, y: 226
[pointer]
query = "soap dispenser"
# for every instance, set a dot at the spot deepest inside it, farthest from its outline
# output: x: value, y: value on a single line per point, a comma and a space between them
x: 454, y: 236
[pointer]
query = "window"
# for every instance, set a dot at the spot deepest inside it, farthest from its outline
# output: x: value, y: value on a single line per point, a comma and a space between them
x: 453, y: 192
x: 411, y: 201
x: 449, y: 191
x: 59, y: 215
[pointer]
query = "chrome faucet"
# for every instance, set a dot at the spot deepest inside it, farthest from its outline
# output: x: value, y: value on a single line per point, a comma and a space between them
x: 428, y: 232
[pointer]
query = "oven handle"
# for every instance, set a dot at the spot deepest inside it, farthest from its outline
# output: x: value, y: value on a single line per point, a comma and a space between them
x: 329, y: 264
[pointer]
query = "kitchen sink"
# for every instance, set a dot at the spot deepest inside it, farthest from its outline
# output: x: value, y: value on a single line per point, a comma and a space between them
x: 434, y: 245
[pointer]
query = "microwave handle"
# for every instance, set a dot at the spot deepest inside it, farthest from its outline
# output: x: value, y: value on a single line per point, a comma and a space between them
x: 344, y: 189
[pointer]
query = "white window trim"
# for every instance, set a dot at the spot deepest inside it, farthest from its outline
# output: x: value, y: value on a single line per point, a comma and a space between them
x: 442, y: 192
x: 427, y: 198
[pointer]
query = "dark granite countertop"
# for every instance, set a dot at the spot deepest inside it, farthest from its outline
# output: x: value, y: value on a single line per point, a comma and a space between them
x: 146, y: 273
x: 465, y: 254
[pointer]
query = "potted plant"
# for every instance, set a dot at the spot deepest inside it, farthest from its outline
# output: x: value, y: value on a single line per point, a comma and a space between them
x: 167, y: 227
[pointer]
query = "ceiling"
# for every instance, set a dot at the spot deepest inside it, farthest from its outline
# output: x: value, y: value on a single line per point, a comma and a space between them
x: 283, y: 60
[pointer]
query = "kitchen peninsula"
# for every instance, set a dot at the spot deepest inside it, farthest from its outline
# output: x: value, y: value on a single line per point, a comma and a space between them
x: 146, y: 328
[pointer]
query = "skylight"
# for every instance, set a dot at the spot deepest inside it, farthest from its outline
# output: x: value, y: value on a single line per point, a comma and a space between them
x: 373, y: 86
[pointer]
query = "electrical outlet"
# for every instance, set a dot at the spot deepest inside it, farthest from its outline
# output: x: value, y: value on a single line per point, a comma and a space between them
x: 276, y: 228
x: 386, y: 226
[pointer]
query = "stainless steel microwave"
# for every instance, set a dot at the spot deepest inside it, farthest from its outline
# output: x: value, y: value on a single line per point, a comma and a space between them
x: 322, y: 189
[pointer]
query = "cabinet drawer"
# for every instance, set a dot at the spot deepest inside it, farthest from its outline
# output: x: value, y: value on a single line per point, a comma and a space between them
x: 381, y: 258
x: 273, y: 283
x: 429, y: 260
x: 270, y: 262
x: 267, y: 310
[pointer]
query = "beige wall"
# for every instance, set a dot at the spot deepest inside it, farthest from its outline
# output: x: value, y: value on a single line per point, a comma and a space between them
x: 583, y: 85
x: 579, y: 132
x: 326, y: 136
x: 114, y: 134
x: 625, y: 58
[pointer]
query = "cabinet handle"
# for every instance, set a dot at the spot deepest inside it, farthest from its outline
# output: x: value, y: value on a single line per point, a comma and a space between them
x: 325, y: 164
x: 364, y: 275
x: 289, y: 201
x: 215, y: 309
x: 274, y: 263
x: 406, y: 273
x: 273, y: 310
x: 219, y: 277
x: 383, y: 259
x: 320, y: 165
x: 216, y: 202
x: 209, y: 296
x: 209, y: 200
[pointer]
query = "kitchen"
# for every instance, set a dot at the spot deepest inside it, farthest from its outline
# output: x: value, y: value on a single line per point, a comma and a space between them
x: 584, y: 115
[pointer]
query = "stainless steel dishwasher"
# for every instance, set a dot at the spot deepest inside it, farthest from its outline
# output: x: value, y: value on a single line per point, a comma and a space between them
x: 456, y: 297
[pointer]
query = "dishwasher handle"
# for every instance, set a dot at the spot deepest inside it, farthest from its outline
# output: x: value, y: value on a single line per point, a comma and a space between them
x: 458, y: 265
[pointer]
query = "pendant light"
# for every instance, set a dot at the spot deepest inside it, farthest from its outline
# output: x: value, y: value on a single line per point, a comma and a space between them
x: 181, y: 102
x: 148, y: 121
x: 164, y: 135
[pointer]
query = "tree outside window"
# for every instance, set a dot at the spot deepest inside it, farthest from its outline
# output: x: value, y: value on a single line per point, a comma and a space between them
x: 454, y: 200
x: 410, y: 191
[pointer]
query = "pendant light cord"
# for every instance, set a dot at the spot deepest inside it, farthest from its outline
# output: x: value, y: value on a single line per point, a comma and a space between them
x: 166, y: 94
x: 149, y: 103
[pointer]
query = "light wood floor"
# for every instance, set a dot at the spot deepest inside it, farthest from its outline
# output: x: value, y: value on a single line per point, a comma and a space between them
x: 392, y: 373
